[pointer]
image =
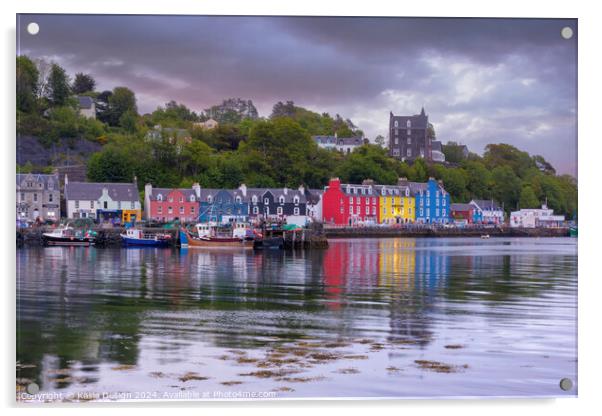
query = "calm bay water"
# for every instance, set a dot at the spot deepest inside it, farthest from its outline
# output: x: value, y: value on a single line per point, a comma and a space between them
x: 364, y: 318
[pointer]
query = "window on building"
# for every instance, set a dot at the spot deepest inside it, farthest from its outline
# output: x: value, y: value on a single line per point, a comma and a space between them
x: 91, y: 204
x: 395, y: 152
x: 254, y: 199
x: 255, y: 210
x: 159, y: 197
x: 409, y: 124
x: 342, y: 210
x: 281, y: 200
x: 296, y: 211
x: 192, y: 198
x: 76, y: 204
x: 35, y: 197
x: 437, y: 212
x: 409, y: 152
x: 296, y: 200
x: 209, y: 198
x: 409, y: 132
x: 159, y: 209
x: 421, y: 212
x: 238, y: 199
x: 367, y: 209
x: 396, y: 123
x: 279, y: 210
x: 105, y: 204
x: 181, y: 199
x: 396, y: 140
x: 409, y: 140
x: 373, y: 210
x: 170, y: 210
x: 22, y: 196
x: 170, y: 199
x: 266, y: 201
x: 50, y: 196
x: 181, y: 210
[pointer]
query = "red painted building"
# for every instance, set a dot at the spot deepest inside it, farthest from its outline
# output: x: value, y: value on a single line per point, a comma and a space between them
x: 348, y: 204
x: 164, y: 204
x: 462, y: 213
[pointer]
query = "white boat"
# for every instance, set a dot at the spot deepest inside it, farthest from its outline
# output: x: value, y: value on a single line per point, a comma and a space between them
x: 68, y: 236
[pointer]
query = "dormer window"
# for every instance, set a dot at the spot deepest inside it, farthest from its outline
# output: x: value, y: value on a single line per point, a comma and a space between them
x: 192, y: 198
x: 254, y: 199
x: 281, y: 200
x: 396, y: 123
x: 181, y: 199
x: 170, y: 199
x: 266, y: 201
x: 238, y: 200
x: 409, y: 124
x: 296, y: 200
x: 159, y: 197
x: 209, y: 198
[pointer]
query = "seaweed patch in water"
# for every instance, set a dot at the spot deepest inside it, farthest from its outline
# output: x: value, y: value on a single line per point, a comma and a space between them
x: 454, y: 346
x: 439, y: 367
x: 231, y: 383
x: 192, y: 376
x: 123, y: 367
x: 351, y: 370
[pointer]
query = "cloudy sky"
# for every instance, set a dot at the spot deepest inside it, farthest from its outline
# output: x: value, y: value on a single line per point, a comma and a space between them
x: 480, y: 80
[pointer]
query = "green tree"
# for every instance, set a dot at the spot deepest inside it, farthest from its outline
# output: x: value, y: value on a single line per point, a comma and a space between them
x: 27, y: 84
x: 380, y: 140
x: 368, y: 162
x: 111, y: 165
x: 453, y: 152
x: 120, y: 101
x: 506, y: 186
x: 528, y: 199
x: 59, y: 89
x: 479, y: 180
x: 83, y: 83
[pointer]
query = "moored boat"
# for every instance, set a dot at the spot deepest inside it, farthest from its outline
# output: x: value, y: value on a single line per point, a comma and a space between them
x: 136, y: 237
x: 68, y: 236
x: 187, y: 240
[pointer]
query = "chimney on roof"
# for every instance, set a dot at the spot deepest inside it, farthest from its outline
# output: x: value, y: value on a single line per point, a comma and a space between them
x: 148, y: 191
x: 302, y: 189
x: 66, y: 179
x: 197, y: 189
x: 336, y: 135
x: 243, y: 189
x: 136, y: 181
x: 285, y: 190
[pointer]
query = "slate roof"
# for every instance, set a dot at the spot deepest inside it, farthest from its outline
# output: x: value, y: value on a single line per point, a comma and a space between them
x: 85, y: 102
x: 436, y: 145
x: 313, y: 196
x: 38, y: 177
x: 277, y: 192
x: 391, y: 190
x: 419, y: 121
x: 93, y: 191
x: 486, y: 204
x: 461, y: 207
x: 188, y: 192
x: 206, y: 192
x: 339, y: 141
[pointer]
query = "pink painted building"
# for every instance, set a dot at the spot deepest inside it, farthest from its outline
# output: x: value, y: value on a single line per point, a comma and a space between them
x: 165, y: 204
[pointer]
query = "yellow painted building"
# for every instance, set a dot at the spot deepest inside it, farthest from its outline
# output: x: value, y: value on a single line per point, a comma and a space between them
x: 397, y: 206
x: 131, y: 215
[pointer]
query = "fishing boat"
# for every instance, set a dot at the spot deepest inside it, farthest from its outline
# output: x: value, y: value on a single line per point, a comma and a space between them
x: 210, y: 235
x: 137, y: 237
x: 68, y: 236
x: 573, y: 231
x: 485, y: 236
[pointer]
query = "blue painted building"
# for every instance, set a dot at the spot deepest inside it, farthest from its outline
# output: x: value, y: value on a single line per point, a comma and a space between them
x: 432, y: 202
x: 222, y: 205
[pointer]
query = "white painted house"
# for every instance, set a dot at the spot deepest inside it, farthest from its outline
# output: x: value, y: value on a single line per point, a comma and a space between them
x: 341, y: 144
x: 536, y: 218
x: 84, y: 199
x: 87, y: 106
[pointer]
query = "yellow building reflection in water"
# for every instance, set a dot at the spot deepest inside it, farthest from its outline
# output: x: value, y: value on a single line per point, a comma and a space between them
x: 397, y: 262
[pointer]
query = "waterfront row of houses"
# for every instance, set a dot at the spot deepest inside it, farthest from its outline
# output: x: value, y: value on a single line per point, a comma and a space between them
x: 368, y: 203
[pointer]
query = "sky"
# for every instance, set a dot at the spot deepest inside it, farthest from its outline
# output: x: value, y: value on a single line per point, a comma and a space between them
x: 480, y: 80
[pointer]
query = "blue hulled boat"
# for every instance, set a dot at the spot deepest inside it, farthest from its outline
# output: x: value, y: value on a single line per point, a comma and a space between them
x: 136, y: 237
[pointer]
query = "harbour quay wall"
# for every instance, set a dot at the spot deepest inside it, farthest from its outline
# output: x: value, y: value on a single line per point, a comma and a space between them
x: 110, y: 237
x: 417, y: 231
x: 106, y: 237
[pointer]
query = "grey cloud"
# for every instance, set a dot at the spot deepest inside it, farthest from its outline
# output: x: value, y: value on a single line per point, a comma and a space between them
x: 509, y: 75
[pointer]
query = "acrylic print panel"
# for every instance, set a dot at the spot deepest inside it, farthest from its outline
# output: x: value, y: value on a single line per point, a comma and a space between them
x: 295, y: 207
